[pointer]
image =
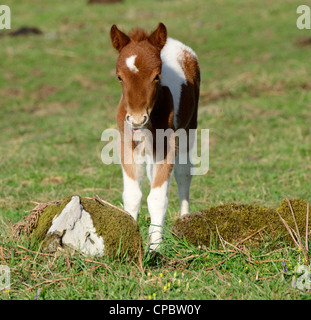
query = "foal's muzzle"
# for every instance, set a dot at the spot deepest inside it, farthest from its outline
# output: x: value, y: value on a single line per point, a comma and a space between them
x: 137, y: 122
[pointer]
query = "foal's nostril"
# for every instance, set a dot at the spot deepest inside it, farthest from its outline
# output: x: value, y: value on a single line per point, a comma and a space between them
x: 127, y: 118
x: 145, y: 119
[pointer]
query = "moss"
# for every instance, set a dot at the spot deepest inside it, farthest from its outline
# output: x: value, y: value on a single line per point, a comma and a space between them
x: 119, y: 230
x: 234, y: 222
x: 194, y: 227
x: 46, y: 218
x: 300, y: 209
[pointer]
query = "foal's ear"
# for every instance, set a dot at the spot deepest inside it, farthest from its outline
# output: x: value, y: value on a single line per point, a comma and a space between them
x: 158, y: 37
x: 118, y: 38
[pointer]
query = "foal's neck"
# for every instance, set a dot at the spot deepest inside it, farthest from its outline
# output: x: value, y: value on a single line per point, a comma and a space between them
x: 162, y: 114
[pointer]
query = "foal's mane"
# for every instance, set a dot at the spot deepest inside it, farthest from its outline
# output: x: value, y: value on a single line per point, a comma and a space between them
x: 138, y: 35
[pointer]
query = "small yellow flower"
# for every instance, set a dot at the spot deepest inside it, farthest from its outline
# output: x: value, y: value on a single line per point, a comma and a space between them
x: 7, y: 290
x: 154, y: 294
x: 165, y: 288
x: 149, y: 274
x: 149, y: 297
x: 289, y: 265
x: 161, y: 275
x: 169, y: 285
x: 240, y: 281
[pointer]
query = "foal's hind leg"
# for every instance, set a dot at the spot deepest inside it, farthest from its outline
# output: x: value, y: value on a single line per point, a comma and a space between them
x: 182, y: 171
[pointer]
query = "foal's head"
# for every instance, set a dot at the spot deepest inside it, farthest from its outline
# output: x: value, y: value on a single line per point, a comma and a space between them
x: 138, y: 69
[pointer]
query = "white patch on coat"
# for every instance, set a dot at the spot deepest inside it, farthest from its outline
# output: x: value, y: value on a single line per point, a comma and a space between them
x: 78, y: 228
x: 173, y: 76
x: 130, y: 62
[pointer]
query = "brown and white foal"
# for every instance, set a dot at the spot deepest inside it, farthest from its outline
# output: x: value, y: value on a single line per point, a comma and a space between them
x: 160, y: 80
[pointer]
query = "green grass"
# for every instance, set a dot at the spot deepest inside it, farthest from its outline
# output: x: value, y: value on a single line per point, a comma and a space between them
x: 58, y: 93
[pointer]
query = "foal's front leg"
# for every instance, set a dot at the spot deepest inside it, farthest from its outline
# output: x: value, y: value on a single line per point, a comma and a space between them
x: 158, y: 202
x: 132, y: 194
x: 133, y: 172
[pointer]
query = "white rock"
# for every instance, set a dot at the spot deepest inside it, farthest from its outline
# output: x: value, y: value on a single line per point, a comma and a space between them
x: 76, y: 227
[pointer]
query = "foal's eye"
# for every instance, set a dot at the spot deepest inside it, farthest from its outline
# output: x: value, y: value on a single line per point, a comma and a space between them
x: 156, y: 78
x: 119, y: 78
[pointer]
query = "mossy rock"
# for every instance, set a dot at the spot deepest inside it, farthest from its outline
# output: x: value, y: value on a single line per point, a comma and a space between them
x: 235, y: 222
x: 46, y: 217
x: 116, y: 232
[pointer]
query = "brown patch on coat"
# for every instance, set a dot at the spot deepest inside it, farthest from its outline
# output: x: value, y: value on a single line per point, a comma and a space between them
x: 189, y: 99
x: 163, y: 173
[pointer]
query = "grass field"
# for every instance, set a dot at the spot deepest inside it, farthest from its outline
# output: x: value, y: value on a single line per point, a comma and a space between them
x: 58, y: 92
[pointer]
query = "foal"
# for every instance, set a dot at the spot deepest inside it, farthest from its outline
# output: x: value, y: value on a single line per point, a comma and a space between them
x: 160, y: 80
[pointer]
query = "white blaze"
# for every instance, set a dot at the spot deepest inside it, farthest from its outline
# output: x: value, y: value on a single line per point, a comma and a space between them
x: 130, y: 62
